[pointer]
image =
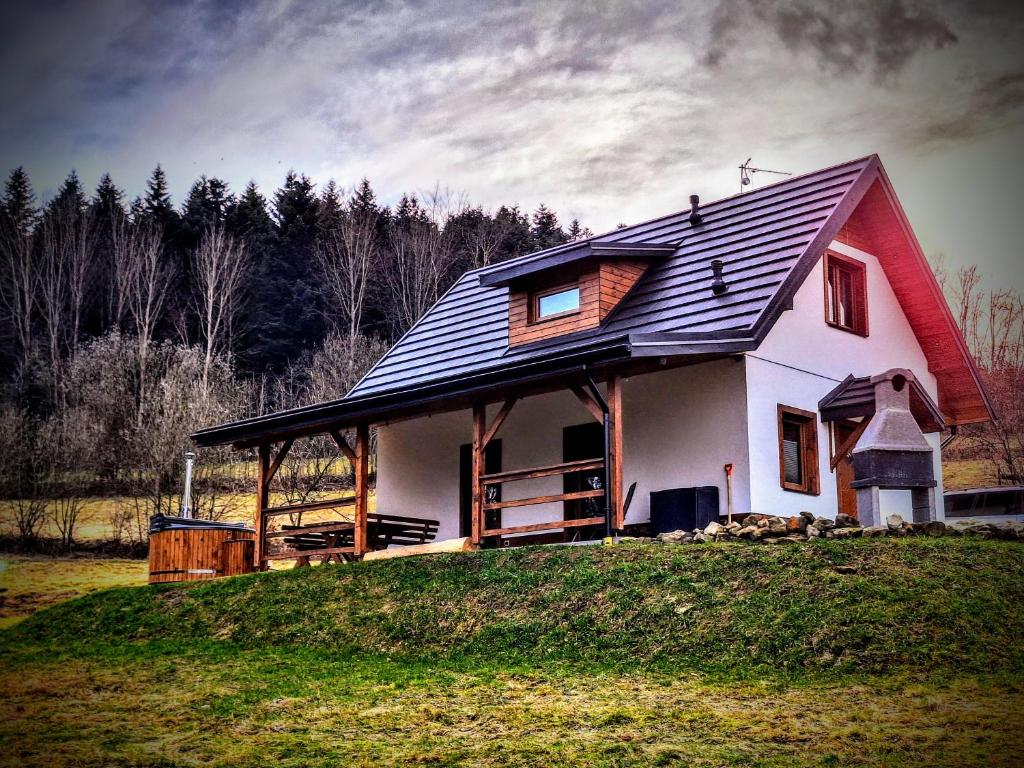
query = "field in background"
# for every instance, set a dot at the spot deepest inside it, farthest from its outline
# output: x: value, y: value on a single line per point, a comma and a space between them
x: 29, y: 584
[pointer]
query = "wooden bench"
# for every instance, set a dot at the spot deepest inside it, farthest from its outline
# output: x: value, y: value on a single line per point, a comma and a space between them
x: 381, y: 531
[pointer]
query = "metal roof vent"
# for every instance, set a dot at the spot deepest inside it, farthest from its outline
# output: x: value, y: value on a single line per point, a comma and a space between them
x: 695, y: 217
x: 718, y: 284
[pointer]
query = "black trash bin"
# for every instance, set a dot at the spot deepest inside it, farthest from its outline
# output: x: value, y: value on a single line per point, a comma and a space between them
x: 683, y: 508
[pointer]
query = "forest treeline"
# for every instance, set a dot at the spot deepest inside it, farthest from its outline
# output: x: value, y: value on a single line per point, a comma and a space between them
x: 128, y: 324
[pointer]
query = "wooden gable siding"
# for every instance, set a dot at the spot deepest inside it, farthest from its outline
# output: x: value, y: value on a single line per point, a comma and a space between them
x: 616, y: 279
x: 877, y: 226
x: 602, y: 288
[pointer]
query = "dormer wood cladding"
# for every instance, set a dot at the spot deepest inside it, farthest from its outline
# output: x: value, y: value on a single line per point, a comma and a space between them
x: 602, y: 287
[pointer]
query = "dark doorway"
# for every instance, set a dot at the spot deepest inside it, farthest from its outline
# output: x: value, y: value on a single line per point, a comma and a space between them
x: 844, y: 470
x: 492, y: 463
x: 579, y: 442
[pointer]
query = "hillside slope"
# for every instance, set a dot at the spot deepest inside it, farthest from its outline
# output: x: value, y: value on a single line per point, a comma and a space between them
x: 854, y: 605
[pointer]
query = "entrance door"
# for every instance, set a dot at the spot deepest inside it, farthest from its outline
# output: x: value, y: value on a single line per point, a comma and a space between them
x: 844, y: 470
x: 492, y: 463
x: 579, y: 442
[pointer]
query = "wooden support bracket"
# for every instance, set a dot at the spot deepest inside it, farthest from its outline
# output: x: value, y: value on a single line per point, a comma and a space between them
x: 499, y: 419
x: 343, y: 445
x: 849, y: 443
x: 589, y: 403
x: 278, y: 460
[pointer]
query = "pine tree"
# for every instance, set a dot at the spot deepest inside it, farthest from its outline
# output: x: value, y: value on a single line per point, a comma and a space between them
x: 330, y: 209
x: 70, y: 194
x: 363, y: 198
x: 249, y: 221
x: 516, y: 236
x: 108, y: 199
x: 157, y: 205
x: 18, y: 218
x: 546, y: 230
x: 577, y: 231
x: 208, y: 203
x: 287, y: 302
x: 108, y: 212
x: 19, y: 202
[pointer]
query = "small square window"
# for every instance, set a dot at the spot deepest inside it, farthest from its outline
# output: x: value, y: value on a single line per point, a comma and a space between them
x: 798, y: 450
x: 846, y: 298
x: 562, y: 301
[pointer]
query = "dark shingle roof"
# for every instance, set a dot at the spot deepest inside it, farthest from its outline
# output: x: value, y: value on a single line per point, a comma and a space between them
x: 760, y: 236
x: 768, y: 239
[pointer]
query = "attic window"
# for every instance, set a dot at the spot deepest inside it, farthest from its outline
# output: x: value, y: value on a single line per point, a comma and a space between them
x: 846, y: 295
x: 560, y: 301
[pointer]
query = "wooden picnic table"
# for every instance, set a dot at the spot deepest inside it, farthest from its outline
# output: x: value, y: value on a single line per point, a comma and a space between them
x: 335, y: 540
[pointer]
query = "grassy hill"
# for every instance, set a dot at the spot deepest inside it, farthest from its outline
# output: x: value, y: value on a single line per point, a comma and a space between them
x: 855, y: 652
x: 865, y: 605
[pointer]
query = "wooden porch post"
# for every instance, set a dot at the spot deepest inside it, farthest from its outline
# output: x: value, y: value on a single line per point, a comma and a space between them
x: 479, y: 430
x: 361, y: 469
x: 615, y: 449
x: 262, y: 502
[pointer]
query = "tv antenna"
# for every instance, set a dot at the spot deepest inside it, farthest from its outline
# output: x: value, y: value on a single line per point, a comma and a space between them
x: 746, y: 172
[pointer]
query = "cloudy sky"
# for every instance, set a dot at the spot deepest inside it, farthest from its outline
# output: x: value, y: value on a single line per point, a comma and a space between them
x: 612, y: 112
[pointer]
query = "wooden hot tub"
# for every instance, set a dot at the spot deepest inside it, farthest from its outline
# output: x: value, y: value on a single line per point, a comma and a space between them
x: 182, y: 549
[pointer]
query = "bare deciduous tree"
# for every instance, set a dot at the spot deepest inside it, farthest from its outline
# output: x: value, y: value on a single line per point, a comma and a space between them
x: 422, y: 255
x: 18, y: 287
x: 220, y: 265
x: 348, y: 253
x: 67, y: 247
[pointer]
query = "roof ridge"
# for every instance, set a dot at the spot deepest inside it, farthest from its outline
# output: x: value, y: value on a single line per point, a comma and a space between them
x: 576, y: 243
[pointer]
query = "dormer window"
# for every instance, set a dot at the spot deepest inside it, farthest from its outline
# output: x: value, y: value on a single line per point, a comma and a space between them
x: 557, y: 302
x: 846, y: 294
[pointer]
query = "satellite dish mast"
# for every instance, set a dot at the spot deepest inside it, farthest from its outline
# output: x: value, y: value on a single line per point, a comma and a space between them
x: 746, y: 172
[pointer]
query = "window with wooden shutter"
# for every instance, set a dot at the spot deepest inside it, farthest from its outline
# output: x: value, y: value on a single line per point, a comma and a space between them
x: 798, y: 450
x: 846, y: 294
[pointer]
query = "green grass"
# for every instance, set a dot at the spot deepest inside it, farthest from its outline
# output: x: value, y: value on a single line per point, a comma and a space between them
x: 857, y: 652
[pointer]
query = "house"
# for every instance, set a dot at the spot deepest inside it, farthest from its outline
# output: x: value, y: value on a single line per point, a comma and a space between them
x: 788, y: 347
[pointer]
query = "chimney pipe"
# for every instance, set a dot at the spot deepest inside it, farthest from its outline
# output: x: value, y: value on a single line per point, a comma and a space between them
x: 718, y: 284
x: 695, y: 217
x: 186, y: 496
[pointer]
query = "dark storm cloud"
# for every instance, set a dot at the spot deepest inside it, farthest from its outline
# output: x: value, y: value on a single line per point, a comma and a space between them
x: 844, y: 37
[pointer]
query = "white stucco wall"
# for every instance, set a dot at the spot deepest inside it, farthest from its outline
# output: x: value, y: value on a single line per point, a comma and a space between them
x: 680, y: 427
x: 802, y: 359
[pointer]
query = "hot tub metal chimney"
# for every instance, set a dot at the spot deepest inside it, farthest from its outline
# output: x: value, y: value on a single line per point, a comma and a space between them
x: 893, y: 453
x: 695, y: 217
x: 186, y: 496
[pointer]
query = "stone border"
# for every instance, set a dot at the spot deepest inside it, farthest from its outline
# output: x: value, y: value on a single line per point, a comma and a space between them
x: 770, y: 529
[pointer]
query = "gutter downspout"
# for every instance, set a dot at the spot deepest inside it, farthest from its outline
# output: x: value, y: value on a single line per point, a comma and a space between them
x: 596, y: 394
x: 954, y: 433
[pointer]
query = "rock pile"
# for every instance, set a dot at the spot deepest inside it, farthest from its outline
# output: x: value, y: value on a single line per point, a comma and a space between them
x: 770, y: 529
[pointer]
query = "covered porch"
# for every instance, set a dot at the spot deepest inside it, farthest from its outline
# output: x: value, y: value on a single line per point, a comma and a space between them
x: 281, y: 533
x: 436, y: 478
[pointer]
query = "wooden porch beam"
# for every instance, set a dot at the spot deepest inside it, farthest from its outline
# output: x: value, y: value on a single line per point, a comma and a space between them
x: 262, y: 502
x: 545, y: 526
x: 479, y: 431
x: 499, y: 419
x: 278, y: 460
x: 589, y: 403
x: 614, y: 397
x: 361, y: 469
x: 545, y: 499
x: 343, y: 445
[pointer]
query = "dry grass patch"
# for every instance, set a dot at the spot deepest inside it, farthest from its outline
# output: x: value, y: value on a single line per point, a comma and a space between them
x: 29, y: 584
x: 251, y: 709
